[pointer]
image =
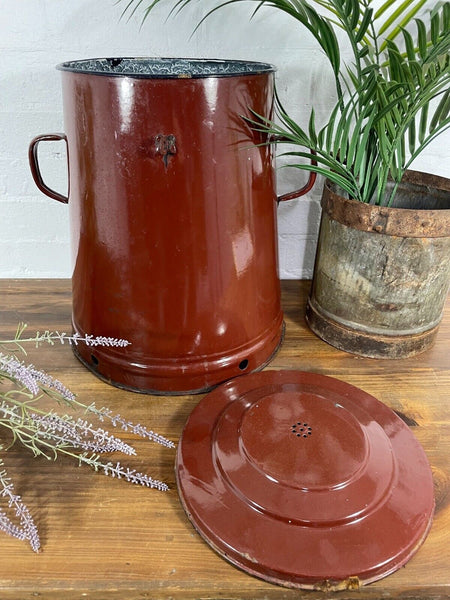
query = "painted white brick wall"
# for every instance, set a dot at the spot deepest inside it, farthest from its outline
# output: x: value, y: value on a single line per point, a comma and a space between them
x: 35, y: 35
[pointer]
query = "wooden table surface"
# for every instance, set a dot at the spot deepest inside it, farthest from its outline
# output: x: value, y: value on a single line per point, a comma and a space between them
x: 104, y: 538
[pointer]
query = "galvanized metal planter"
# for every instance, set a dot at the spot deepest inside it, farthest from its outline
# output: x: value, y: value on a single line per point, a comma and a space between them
x: 382, y: 274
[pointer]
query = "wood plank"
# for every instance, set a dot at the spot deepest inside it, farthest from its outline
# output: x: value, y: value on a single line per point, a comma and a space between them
x: 103, y: 537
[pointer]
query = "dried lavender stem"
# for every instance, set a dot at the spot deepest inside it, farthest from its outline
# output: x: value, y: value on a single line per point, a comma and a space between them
x: 27, y: 529
x: 49, y: 434
x: 50, y: 337
x: 93, y: 461
x: 137, y: 429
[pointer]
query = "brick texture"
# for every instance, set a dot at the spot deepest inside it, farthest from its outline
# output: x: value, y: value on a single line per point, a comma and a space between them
x: 35, y: 35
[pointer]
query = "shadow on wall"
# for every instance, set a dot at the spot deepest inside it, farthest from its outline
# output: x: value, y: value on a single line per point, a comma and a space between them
x: 298, y: 227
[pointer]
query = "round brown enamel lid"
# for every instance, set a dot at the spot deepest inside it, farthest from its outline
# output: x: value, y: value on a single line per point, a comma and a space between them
x: 304, y: 480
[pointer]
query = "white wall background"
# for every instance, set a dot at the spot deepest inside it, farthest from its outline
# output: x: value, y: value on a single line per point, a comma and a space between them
x: 35, y: 35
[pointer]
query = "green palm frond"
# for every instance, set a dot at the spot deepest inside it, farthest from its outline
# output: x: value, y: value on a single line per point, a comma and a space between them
x: 393, y: 96
x: 398, y: 19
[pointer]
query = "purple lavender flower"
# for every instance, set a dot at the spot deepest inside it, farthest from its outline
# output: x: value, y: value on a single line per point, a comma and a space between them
x: 51, y: 383
x: 90, y: 340
x: 50, y: 337
x: 32, y: 378
x: 133, y: 476
x: 140, y: 430
x: 76, y: 434
x: 8, y: 527
x: 27, y: 530
x: 19, y: 371
x: 50, y: 434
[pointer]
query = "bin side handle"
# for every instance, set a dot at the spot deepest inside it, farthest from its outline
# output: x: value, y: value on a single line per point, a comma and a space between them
x: 311, y: 179
x: 34, y: 164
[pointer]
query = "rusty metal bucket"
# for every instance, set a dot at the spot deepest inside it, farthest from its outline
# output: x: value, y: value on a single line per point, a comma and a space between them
x: 382, y: 274
x: 173, y: 218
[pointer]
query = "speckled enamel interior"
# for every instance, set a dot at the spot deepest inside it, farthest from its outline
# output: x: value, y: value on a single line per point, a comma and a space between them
x: 165, y: 67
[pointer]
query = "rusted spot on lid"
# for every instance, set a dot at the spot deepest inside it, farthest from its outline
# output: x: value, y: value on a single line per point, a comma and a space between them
x: 352, y: 583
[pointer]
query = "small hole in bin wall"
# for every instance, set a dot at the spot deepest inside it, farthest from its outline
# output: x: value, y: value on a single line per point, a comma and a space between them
x: 243, y: 364
x: 94, y: 360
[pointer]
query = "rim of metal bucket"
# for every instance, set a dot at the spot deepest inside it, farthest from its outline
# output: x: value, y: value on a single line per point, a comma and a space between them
x: 166, y: 68
x: 422, y: 211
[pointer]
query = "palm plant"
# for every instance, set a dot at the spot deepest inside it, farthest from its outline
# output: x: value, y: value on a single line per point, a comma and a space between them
x: 393, y: 97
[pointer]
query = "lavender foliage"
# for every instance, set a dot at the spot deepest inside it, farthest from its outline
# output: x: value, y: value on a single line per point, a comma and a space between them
x: 26, y: 530
x: 46, y: 433
x: 32, y: 378
x: 138, y: 429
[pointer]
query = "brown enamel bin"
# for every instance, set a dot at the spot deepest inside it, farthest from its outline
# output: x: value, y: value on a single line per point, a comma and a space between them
x: 173, y: 219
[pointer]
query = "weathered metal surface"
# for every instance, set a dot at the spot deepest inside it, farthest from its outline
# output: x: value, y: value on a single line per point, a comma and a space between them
x: 382, y: 274
x: 366, y: 344
x: 165, y: 145
x: 421, y: 208
x: 173, y: 219
x: 304, y: 480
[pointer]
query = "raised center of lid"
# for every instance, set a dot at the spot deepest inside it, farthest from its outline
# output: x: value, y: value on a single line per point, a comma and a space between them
x: 303, y: 440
